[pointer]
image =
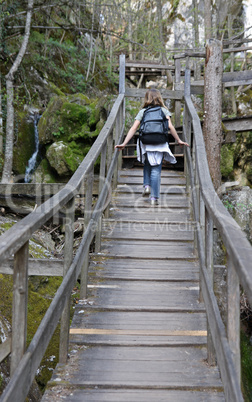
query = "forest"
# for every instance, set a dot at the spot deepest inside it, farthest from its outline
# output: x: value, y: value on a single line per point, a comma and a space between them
x: 69, y: 47
x: 58, y: 80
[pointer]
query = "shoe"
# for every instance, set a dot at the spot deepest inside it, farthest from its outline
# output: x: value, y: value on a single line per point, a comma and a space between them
x: 154, y: 201
x: 146, y: 191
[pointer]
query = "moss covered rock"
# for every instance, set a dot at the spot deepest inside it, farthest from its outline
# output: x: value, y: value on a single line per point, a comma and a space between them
x: 67, y: 130
x: 63, y: 158
x: 44, y: 173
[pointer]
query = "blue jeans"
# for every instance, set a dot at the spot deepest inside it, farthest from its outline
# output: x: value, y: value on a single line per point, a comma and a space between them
x: 152, y: 177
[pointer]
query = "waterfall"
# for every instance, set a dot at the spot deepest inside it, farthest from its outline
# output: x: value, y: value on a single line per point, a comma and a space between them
x: 32, y: 161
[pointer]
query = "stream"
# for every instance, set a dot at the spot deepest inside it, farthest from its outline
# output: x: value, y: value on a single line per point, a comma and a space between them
x: 32, y: 161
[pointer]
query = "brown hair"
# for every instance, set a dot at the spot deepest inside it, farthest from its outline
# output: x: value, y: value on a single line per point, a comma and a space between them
x: 153, y: 98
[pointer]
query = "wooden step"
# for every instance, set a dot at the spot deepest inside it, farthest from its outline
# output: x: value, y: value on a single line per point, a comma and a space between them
x: 144, y: 296
x: 149, y: 368
x: 135, y: 157
x: 74, y: 394
x: 116, y: 328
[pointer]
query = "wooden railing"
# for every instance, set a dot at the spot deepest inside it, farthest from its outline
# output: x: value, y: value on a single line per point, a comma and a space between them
x: 15, y: 241
x: 210, y: 214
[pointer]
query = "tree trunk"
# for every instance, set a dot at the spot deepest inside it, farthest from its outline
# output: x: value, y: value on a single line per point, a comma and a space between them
x: 196, y: 38
x: 1, y: 117
x: 196, y: 22
x: 212, y: 127
x: 8, y: 160
x: 162, y: 43
x: 232, y: 90
x: 208, y: 19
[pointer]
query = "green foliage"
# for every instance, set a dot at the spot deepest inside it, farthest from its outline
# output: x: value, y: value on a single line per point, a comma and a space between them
x: 59, y: 133
x: 246, y: 364
x: 227, y: 160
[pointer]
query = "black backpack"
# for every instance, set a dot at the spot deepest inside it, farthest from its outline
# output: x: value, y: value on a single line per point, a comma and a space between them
x: 154, y: 126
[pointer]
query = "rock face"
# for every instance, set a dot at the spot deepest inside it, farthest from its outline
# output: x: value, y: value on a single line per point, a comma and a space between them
x: 236, y: 159
x: 239, y: 204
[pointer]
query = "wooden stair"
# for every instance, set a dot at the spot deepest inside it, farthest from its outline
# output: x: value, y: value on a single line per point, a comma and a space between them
x: 141, y: 334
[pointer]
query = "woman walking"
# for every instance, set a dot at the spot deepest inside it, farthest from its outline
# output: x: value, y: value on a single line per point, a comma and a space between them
x: 152, y: 155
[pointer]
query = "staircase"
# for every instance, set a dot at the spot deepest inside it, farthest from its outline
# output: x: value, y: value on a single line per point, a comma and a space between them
x: 141, y: 333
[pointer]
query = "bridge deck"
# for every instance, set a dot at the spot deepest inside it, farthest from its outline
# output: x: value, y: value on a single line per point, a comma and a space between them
x: 141, y: 334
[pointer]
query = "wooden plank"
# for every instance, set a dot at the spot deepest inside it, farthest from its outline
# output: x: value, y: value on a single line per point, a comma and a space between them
x: 138, y: 328
x: 132, y: 200
x: 144, y: 296
x: 130, y: 395
x: 149, y: 65
x: 164, y: 180
x: 239, y: 125
x: 123, y: 230
x: 46, y: 267
x: 147, y: 270
x: 152, y: 214
x: 134, y: 332
x: 237, y: 83
x: 134, y: 188
x: 139, y: 172
x: 138, y: 320
x: 37, y: 190
x: 166, y: 94
x: 32, y: 189
x: 160, y: 368
x: 148, y: 250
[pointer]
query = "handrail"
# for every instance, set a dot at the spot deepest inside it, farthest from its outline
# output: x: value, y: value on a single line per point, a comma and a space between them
x: 208, y: 211
x: 15, y: 240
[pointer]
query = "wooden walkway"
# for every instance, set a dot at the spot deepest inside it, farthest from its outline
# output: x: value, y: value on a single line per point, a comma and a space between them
x: 141, y: 334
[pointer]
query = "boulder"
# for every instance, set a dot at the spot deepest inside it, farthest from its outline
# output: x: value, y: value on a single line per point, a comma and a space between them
x: 62, y: 158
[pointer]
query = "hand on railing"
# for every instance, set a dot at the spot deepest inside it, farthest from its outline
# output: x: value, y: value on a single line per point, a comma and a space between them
x: 183, y: 143
x: 120, y: 146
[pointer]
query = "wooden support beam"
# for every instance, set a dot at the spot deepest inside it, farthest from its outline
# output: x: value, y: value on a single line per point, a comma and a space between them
x: 139, y: 93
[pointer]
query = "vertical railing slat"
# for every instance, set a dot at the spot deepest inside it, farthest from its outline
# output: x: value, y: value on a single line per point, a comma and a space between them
x: 233, y: 315
x: 101, y: 184
x: 211, y: 355
x: 89, y: 180
x: 68, y: 255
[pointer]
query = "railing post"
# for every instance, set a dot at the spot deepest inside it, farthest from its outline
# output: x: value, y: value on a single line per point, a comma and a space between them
x: 116, y: 138
x: 19, y: 306
x: 211, y: 355
x: 101, y: 184
x: 233, y: 315
x: 187, y: 126
x: 68, y: 255
x: 122, y: 74
x: 122, y: 120
x: 177, y: 86
x: 89, y: 180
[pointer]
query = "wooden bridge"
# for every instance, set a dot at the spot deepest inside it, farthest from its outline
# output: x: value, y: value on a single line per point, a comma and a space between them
x: 148, y: 326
